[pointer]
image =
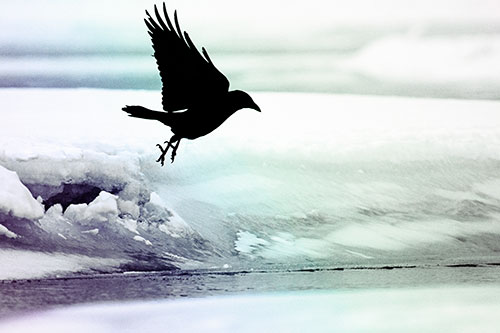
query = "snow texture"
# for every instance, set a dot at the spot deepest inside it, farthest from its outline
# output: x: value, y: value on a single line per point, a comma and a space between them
x: 87, y: 175
x: 349, y: 179
x: 15, y: 199
x: 22, y: 264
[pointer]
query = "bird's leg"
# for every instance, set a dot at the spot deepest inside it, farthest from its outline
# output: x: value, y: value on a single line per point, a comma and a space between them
x: 161, y: 159
x: 174, y: 150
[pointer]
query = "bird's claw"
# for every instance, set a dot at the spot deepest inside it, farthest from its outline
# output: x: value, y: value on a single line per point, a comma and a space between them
x: 161, y: 159
x: 164, y: 151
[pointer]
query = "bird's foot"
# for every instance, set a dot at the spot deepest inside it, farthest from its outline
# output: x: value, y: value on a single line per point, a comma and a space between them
x: 174, y: 151
x: 161, y: 159
x: 172, y: 157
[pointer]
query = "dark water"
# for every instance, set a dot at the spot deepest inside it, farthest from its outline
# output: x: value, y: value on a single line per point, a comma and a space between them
x: 24, y: 296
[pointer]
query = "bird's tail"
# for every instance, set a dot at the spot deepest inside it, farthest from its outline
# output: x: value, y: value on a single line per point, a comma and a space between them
x: 144, y: 113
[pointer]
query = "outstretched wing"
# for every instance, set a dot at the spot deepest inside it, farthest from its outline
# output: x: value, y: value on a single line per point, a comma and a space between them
x: 187, y: 76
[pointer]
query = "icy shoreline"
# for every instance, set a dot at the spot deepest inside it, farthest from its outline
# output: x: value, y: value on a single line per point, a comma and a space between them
x: 438, y: 296
x: 349, y: 179
x: 73, y: 193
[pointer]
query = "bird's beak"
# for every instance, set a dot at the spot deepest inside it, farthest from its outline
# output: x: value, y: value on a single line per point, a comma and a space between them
x: 255, y: 107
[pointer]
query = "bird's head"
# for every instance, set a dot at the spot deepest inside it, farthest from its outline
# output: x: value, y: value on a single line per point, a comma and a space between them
x: 242, y: 100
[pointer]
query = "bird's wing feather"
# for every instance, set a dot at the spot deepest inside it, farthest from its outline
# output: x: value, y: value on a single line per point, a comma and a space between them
x: 187, y: 76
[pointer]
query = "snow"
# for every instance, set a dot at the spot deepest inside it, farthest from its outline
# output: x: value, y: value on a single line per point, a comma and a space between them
x: 175, y: 225
x: 406, y: 234
x: 248, y: 242
x: 129, y: 207
x: 94, y: 231
x: 130, y: 225
x: 425, y: 309
x: 23, y: 264
x: 142, y: 239
x: 16, y: 199
x: 6, y: 232
x: 428, y: 177
x: 98, y: 167
x: 104, y: 208
x: 434, y: 59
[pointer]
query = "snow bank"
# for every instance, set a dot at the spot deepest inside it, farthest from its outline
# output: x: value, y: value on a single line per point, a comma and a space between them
x: 84, y: 161
x: 336, y: 179
x: 15, y: 199
x: 452, y: 309
x: 22, y: 264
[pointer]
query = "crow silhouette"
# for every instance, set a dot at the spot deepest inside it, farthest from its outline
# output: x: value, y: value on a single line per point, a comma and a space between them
x: 195, y: 94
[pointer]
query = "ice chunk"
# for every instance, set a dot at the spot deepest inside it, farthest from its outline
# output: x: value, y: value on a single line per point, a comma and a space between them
x: 16, y: 199
x: 91, y: 231
x: 102, y: 209
x: 142, y: 239
x: 6, y: 232
x: 155, y: 199
x: 129, y: 224
x: 75, y: 212
x: 129, y: 207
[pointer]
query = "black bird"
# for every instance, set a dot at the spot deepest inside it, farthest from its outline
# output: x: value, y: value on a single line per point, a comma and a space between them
x: 191, y: 83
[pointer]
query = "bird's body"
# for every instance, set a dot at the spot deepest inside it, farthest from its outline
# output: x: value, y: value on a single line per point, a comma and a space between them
x: 196, y: 94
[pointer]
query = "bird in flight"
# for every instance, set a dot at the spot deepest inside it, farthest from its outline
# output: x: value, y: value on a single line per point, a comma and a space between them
x: 195, y: 94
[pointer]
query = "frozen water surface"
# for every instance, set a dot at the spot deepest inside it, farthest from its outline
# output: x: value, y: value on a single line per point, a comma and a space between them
x: 355, y: 193
x: 349, y: 180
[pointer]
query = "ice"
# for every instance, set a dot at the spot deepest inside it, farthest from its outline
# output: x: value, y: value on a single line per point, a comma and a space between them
x: 403, y: 235
x: 428, y: 181
x: 16, y: 199
x: 248, y: 242
x: 104, y: 208
x: 423, y: 309
x: 89, y: 178
x: 156, y: 200
x: 490, y: 188
x: 359, y: 254
x: 142, y: 239
x: 129, y: 207
x: 6, y: 232
x: 130, y: 224
x: 433, y: 60
x: 94, y: 231
x: 23, y: 264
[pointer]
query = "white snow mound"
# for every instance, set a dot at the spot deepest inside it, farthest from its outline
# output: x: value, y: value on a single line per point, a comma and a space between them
x: 16, y: 199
